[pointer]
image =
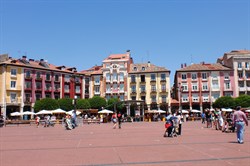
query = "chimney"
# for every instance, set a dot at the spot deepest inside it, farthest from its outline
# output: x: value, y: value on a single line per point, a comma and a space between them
x: 185, y: 65
x: 31, y: 60
x: 41, y: 60
x: 24, y: 57
x: 181, y: 66
x: 148, y: 63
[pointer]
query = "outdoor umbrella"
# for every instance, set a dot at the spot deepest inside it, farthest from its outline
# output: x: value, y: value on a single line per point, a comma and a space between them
x: 195, y: 111
x: 58, y: 111
x: 160, y: 111
x: 43, y: 112
x: 28, y: 113
x: 71, y: 112
x: 184, y: 111
x: 105, y: 112
x: 15, y: 114
x: 226, y: 110
x: 247, y: 111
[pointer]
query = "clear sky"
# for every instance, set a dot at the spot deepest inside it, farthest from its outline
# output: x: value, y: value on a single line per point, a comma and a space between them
x: 81, y: 33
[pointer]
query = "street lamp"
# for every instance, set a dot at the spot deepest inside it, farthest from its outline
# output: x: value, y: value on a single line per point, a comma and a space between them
x: 74, y: 112
x: 180, y: 89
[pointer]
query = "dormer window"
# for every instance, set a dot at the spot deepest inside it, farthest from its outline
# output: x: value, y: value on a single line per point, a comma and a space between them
x: 135, y: 68
x: 143, y: 68
x: 114, y: 66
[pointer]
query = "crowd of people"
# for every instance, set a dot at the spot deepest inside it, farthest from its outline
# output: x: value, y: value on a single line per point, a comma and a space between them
x: 227, y: 121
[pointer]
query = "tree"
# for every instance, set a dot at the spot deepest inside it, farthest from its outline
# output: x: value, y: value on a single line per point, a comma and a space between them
x: 112, y: 101
x: 97, y: 102
x: 224, y: 102
x: 243, y: 101
x: 46, y: 104
x: 66, y: 104
x: 83, y: 104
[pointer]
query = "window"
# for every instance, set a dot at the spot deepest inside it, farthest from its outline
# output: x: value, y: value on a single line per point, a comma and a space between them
x: 27, y: 97
x: 121, y: 87
x: 27, y: 74
x: 184, y: 87
x: 97, y: 80
x: 133, y: 97
x: 215, y: 85
x: 13, y: 72
x: 227, y: 85
x: 38, y: 85
x: 78, y: 89
x: 86, y: 80
x: 143, y: 98
x: 38, y: 75
x: 239, y: 65
x: 133, y: 88
x: 135, y: 68
x: 13, y: 97
x: 66, y: 88
x: 115, y: 87
x: 97, y: 89
x: 241, y: 84
x: 184, y: 76
x: 47, y: 76
x: 194, y: 76
x: 163, y: 98
x: 47, y: 95
x: 204, y: 86
x: 205, y: 98
x: 153, y: 88
x: 247, y: 75
x: 143, y: 68
x: 13, y: 84
x: 163, y: 87
x: 132, y: 78
x: 28, y: 85
x: 142, y: 78
x: 38, y: 96
x: 143, y: 88
x: 108, y: 88
x: 204, y: 76
x: 121, y: 77
x: 247, y: 65
x: 57, y: 87
x: 57, y: 96
x: 107, y: 77
x: 48, y: 86
x: 66, y: 78
x: 194, y: 87
x: 240, y: 74
x: 195, y: 98
x: 163, y: 77
x: 57, y: 78
x: 153, y: 99
x: 152, y: 77
x: 114, y: 76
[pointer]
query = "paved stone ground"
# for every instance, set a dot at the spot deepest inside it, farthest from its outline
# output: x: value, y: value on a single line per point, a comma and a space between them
x: 138, y: 143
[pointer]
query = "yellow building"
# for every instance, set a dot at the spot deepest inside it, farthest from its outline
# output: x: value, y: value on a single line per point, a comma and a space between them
x: 11, y: 89
x: 151, y: 84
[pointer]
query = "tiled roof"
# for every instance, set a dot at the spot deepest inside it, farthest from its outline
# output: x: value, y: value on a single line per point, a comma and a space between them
x: 204, y: 67
x: 146, y: 68
x: 43, y: 65
x: 117, y: 57
x: 93, y: 70
x: 239, y: 52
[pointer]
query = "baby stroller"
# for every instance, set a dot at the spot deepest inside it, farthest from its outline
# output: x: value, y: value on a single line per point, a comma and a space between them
x: 171, y: 127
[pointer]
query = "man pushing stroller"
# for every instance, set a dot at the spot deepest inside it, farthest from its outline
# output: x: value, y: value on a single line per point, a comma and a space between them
x: 171, y: 126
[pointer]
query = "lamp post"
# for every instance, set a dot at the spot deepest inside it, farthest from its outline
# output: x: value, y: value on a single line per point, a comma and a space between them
x: 180, y: 89
x: 74, y: 112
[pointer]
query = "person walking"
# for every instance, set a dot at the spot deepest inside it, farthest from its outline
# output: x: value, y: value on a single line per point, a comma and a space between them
x: 240, y: 119
x: 114, y: 120
x: 119, y: 116
x: 179, y: 123
x: 37, y: 119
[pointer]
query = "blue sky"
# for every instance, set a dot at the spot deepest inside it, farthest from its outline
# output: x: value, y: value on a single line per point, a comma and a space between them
x: 81, y: 33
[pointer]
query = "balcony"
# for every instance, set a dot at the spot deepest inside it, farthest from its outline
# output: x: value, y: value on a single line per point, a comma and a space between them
x: 57, y: 89
x: 242, y: 88
x: 38, y: 79
x: 17, y: 88
x: 133, y: 92
x: 143, y: 91
x: 133, y: 82
x: 97, y: 83
x: 97, y: 93
x: 163, y: 80
x: 27, y: 88
x: 153, y: 81
x: 27, y: 101
x: 28, y: 77
x: 12, y: 101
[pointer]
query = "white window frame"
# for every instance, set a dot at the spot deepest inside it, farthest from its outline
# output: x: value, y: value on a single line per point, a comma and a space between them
x: 13, y: 72
x: 13, y: 84
x: 194, y: 76
x: 184, y: 76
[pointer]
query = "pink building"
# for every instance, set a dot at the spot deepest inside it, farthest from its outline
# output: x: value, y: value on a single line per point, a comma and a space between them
x: 197, y: 86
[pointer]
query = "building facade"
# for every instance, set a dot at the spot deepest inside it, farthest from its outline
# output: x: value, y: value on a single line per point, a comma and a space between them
x: 24, y: 81
x: 197, y: 86
x: 149, y: 83
x: 239, y: 61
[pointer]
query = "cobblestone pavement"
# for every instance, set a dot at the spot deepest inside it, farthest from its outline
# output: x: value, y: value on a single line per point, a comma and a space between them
x: 138, y: 143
